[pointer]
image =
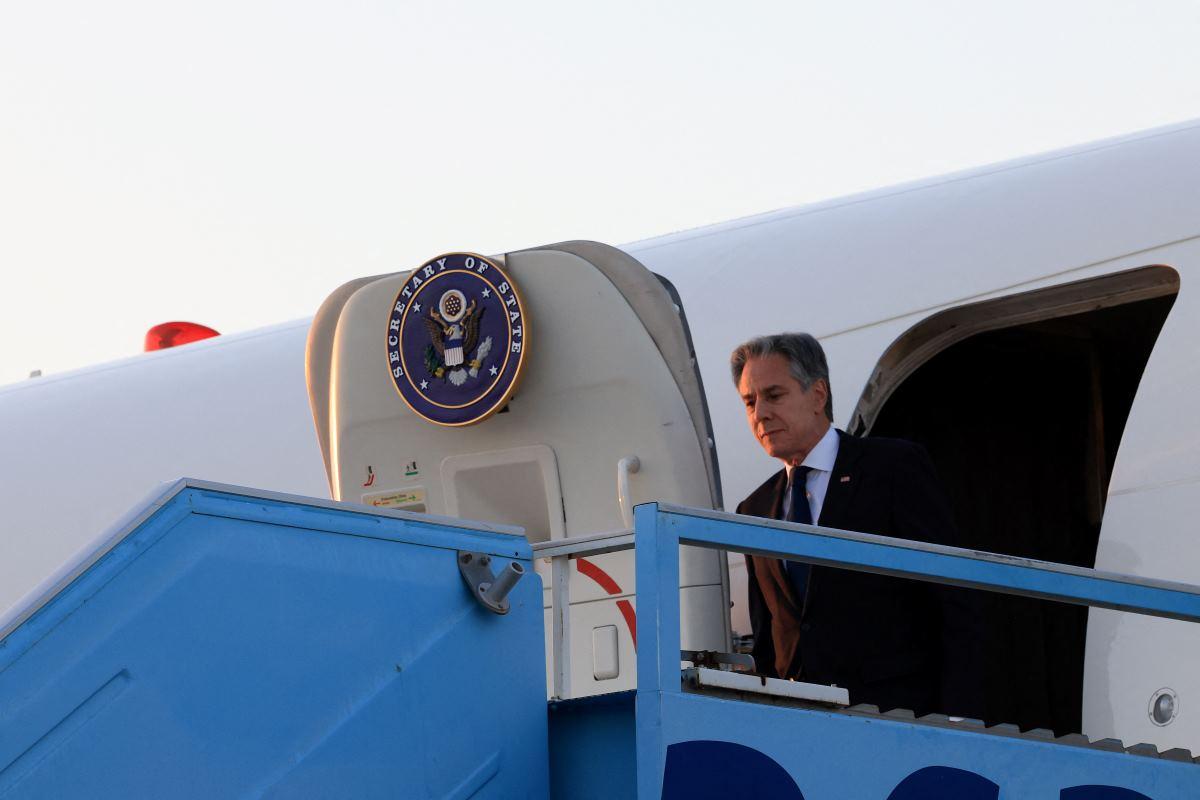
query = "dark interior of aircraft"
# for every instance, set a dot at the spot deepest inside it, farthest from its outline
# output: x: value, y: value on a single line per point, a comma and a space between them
x: 1023, y: 424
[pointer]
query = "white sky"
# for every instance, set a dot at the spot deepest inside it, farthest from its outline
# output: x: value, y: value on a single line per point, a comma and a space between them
x: 232, y: 163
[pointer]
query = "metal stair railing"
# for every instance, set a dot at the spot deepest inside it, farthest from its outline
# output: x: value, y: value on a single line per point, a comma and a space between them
x: 660, y: 529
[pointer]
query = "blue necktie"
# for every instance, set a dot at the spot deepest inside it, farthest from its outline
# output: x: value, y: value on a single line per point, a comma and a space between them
x: 799, y: 512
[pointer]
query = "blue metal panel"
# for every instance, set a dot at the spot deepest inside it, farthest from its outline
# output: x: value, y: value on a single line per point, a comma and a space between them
x: 694, y: 746
x: 241, y: 645
x: 656, y: 560
x: 832, y: 755
x: 592, y: 754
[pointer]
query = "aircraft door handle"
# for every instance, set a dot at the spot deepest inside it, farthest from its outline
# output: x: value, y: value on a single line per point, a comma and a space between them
x: 626, y: 466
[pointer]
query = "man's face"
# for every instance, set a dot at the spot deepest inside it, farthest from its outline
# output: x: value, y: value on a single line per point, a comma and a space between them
x: 787, y: 420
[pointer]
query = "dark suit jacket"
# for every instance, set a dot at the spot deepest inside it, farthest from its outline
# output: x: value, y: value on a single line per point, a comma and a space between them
x: 892, y: 642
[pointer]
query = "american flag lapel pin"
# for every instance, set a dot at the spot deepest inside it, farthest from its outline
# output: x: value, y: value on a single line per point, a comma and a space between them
x: 844, y: 479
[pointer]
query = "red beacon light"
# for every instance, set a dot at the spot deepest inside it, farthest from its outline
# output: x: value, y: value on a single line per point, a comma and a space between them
x: 173, y: 334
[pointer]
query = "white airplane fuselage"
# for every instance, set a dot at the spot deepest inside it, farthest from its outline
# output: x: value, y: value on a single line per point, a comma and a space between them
x: 861, y: 273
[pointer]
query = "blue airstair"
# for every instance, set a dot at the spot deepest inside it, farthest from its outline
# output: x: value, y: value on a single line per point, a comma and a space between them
x: 225, y: 642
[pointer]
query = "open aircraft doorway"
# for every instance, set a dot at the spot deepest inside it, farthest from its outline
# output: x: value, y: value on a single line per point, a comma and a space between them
x: 1022, y: 402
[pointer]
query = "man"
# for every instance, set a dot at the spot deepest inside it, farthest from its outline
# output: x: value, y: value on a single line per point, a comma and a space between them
x: 891, y: 642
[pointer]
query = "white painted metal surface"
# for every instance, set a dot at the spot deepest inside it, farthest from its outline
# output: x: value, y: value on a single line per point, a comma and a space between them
x: 769, y: 687
x: 599, y: 398
x: 81, y: 448
x: 559, y: 554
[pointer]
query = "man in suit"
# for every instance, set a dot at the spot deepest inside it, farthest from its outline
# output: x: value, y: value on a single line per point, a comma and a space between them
x: 891, y: 642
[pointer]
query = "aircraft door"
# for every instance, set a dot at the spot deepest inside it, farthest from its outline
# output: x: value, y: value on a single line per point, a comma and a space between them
x: 509, y: 390
x: 1022, y: 402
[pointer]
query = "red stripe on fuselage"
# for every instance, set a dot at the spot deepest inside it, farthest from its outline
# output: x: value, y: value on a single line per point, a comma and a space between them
x: 626, y: 609
x: 612, y: 587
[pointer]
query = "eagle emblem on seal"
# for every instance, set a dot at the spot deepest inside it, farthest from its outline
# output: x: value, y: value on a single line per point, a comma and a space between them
x: 453, y: 335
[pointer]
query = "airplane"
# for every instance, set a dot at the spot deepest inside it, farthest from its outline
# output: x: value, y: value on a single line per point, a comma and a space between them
x: 1024, y: 321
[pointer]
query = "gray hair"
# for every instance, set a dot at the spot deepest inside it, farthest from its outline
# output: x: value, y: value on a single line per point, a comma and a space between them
x: 803, y: 352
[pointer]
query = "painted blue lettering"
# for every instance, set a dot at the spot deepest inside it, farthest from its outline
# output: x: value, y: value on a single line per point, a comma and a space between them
x: 720, y: 769
x: 945, y: 783
x: 1100, y: 793
x: 702, y: 768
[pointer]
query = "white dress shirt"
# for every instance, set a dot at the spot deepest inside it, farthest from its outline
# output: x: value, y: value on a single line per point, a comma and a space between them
x: 820, y: 461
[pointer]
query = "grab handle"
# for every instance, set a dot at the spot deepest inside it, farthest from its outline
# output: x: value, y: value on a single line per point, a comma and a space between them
x: 626, y: 466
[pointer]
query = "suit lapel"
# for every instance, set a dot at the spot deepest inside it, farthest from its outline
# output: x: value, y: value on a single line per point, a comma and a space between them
x: 767, y: 500
x: 842, y: 482
x: 777, y: 495
x: 771, y: 506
